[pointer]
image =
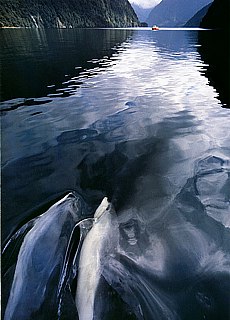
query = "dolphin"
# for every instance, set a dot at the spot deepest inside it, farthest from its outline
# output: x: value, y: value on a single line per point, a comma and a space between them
x: 99, y: 243
x: 41, y: 261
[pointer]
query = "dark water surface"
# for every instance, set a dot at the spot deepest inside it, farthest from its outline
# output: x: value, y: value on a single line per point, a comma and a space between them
x: 130, y: 115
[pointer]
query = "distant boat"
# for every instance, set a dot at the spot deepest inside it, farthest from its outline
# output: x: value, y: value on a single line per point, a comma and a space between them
x: 155, y: 28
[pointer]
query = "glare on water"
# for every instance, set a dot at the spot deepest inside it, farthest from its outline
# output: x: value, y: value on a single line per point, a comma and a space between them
x: 127, y: 114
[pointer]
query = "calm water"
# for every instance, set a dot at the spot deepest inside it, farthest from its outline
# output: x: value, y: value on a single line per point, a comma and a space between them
x: 126, y: 114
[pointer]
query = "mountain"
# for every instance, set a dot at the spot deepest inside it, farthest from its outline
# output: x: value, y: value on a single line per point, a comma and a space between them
x: 215, y: 48
x: 196, y: 19
x: 217, y: 16
x: 141, y: 13
x: 67, y: 13
x: 175, y: 13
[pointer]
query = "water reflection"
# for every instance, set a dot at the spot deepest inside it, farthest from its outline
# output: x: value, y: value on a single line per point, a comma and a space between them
x: 36, y: 62
x: 174, y: 43
x: 140, y: 92
x: 143, y: 127
x: 214, y: 50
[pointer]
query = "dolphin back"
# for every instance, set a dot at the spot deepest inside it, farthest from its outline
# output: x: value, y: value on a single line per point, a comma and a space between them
x: 96, y: 246
x: 41, y: 261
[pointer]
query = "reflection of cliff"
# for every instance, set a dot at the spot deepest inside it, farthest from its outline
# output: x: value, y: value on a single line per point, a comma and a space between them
x: 214, y: 48
x: 67, y: 14
x: 38, y: 58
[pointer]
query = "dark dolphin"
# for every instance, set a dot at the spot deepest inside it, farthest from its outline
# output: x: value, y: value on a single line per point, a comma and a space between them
x: 42, y: 261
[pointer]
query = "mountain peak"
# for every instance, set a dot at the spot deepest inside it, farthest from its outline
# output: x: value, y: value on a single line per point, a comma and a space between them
x: 174, y: 13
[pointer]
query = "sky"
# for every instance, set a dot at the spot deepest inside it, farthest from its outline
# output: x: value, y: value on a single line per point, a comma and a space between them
x: 146, y: 3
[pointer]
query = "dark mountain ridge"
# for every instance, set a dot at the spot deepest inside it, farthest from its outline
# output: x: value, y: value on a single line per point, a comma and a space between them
x: 175, y: 13
x: 218, y: 16
x: 67, y: 13
x: 215, y: 48
x: 197, y: 18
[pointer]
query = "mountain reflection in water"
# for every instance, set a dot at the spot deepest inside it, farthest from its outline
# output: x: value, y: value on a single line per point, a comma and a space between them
x: 136, y: 122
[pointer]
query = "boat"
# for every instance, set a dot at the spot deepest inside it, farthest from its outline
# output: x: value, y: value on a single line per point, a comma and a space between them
x: 155, y: 28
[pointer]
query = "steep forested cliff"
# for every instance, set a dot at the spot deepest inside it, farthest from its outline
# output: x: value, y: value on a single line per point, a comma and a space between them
x: 215, y: 48
x: 67, y: 13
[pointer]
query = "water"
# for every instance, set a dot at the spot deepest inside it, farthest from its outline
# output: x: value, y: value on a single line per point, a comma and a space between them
x: 130, y: 115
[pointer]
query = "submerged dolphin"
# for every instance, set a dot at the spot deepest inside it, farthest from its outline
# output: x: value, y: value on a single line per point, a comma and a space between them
x: 41, y: 261
x: 98, y: 244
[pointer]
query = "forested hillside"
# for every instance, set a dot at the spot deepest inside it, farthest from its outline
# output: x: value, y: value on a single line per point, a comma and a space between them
x: 67, y: 13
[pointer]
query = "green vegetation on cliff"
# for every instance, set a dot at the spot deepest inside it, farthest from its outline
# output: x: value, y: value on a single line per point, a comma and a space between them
x: 67, y: 13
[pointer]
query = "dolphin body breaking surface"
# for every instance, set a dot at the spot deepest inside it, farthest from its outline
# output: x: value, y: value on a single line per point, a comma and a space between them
x: 98, y: 244
x: 174, y: 265
x: 40, y: 261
